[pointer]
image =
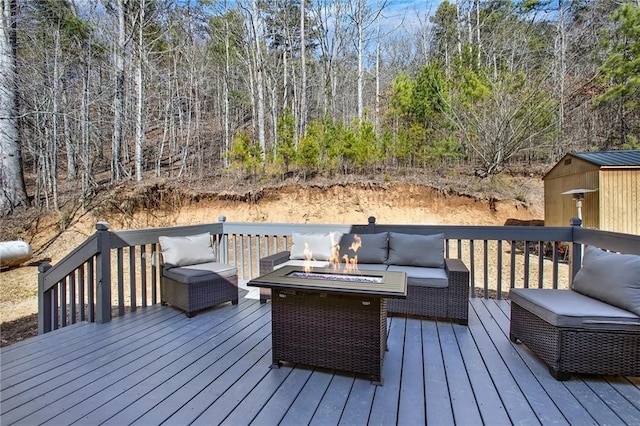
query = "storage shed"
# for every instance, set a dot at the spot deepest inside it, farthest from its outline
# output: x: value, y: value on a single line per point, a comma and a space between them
x: 614, y: 206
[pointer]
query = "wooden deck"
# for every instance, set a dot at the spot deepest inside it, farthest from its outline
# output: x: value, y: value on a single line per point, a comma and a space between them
x: 155, y: 366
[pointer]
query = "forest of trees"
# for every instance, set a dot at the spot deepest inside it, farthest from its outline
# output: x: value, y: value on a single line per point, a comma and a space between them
x: 270, y: 88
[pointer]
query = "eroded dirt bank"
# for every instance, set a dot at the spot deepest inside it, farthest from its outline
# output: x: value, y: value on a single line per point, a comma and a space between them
x: 394, y: 203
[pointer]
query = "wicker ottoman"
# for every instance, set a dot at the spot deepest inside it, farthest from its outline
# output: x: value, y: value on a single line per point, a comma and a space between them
x: 196, y: 287
x: 573, y: 333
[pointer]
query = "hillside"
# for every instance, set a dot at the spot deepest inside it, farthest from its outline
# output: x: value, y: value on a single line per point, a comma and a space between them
x: 159, y: 204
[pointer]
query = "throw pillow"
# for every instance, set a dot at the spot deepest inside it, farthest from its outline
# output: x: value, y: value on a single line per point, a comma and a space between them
x: 416, y: 250
x: 188, y: 250
x: 610, y: 277
x: 373, y: 249
x: 318, y: 244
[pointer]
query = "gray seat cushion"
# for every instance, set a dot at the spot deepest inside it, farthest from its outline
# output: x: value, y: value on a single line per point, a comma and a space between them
x: 425, y: 277
x: 201, y: 272
x: 568, y: 308
x: 364, y: 267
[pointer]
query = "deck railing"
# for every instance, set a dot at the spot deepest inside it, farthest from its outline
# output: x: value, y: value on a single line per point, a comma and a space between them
x: 114, y: 272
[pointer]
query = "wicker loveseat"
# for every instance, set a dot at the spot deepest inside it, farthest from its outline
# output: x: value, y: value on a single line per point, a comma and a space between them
x: 593, y: 328
x: 436, y: 287
x: 191, y: 278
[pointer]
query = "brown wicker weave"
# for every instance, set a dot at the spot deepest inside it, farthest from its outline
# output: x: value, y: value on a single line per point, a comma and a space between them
x: 451, y: 302
x: 268, y: 264
x: 195, y: 296
x: 572, y: 350
x: 342, y: 332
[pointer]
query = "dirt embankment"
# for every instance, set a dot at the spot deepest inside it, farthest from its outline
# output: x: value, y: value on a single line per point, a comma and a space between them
x: 396, y: 203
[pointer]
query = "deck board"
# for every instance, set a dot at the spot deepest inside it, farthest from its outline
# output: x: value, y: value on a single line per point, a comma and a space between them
x: 554, y: 401
x: 437, y: 403
x: 156, y: 366
x: 411, y: 408
x: 465, y: 410
x: 302, y: 410
x: 385, y: 399
x: 329, y: 410
x: 357, y: 410
x: 522, y: 394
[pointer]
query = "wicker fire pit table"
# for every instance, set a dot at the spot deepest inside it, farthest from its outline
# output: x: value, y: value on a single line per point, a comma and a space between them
x: 332, y: 319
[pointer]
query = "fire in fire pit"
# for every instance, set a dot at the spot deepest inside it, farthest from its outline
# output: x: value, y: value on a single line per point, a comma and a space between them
x: 335, y: 277
x: 346, y: 259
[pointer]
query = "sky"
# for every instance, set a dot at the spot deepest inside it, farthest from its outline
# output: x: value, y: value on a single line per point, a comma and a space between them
x: 406, y: 13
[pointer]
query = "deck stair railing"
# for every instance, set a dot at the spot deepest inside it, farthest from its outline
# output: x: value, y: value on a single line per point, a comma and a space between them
x: 115, y: 272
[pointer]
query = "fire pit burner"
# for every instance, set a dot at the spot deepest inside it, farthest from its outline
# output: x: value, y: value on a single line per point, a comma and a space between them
x: 335, y: 277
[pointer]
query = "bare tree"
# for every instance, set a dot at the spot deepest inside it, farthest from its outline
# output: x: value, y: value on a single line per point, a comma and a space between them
x: 13, y: 195
x: 330, y: 16
x: 303, y: 71
x: 140, y: 109
x: 118, y: 98
x: 258, y: 66
x: 363, y: 17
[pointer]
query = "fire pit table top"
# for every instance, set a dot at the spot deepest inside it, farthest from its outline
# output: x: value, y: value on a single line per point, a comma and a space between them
x: 378, y: 283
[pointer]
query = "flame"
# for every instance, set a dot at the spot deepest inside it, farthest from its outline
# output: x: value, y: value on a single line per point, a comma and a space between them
x: 308, y: 257
x: 351, y: 263
x: 348, y: 263
x: 356, y: 244
x: 335, y: 252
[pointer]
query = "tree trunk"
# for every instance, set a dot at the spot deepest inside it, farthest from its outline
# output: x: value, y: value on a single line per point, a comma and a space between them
x: 303, y: 72
x: 140, y: 93
x: 259, y: 65
x: 52, y: 142
x: 225, y: 88
x: 118, y: 99
x: 13, y: 195
x: 85, y: 155
x: 360, y: 29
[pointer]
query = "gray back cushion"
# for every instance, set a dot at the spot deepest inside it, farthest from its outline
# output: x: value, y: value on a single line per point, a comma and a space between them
x: 320, y: 245
x: 610, y: 277
x: 187, y: 250
x: 416, y: 250
x: 373, y: 247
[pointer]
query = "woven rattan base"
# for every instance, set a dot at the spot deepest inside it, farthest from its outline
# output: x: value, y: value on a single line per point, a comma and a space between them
x: 450, y: 302
x: 571, y: 350
x: 196, y: 296
x: 342, y: 332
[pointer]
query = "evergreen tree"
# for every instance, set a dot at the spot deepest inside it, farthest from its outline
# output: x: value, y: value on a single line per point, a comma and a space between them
x: 621, y: 72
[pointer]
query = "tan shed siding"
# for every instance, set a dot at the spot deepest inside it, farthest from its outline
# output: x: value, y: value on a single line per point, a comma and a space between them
x: 620, y: 200
x: 558, y: 208
x: 577, y: 166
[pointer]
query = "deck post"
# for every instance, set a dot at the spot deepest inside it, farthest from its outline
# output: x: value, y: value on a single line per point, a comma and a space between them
x: 103, y: 274
x: 44, y: 301
x: 372, y: 225
x: 576, y: 252
x: 223, y: 248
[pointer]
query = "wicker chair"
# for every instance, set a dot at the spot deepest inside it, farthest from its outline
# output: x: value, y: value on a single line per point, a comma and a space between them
x: 196, y: 287
x: 592, y: 328
x: 590, y: 349
x: 191, y: 279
